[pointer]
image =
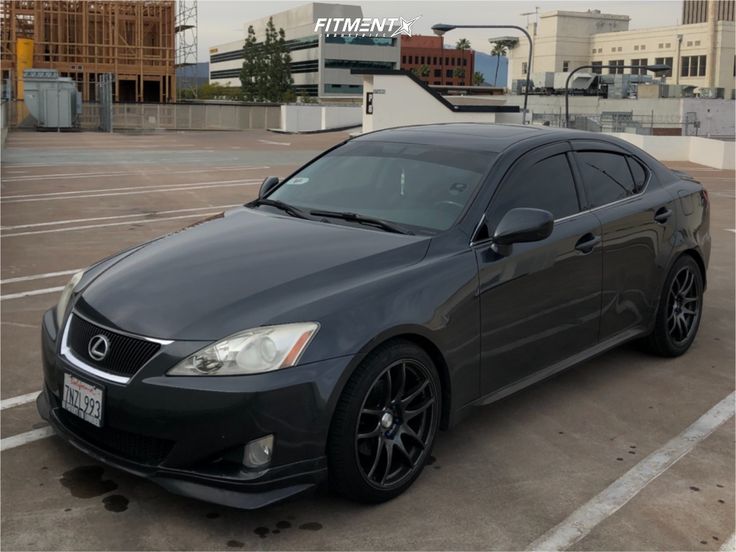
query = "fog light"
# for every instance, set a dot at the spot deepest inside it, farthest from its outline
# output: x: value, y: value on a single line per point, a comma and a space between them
x: 258, y: 453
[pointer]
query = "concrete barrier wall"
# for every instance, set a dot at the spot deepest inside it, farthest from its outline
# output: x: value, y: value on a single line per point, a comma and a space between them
x: 718, y: 154
x: 311, y: 118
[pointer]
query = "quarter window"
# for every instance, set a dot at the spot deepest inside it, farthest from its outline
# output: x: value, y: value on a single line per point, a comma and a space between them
x: 607, y: 177
x: 548, y: 185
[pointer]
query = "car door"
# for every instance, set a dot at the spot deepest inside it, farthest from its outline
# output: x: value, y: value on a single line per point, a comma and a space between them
x: 637, y: 218
x: 540, y: 301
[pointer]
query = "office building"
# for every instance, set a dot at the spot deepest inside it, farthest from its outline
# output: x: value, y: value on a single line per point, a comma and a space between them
x: 320, y: 63
x: 434, y: 63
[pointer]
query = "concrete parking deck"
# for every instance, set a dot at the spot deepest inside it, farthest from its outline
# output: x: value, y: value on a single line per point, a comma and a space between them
x: 587, y: 453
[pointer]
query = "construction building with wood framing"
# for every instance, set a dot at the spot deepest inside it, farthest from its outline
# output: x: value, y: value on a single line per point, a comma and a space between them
x: 133, y: 40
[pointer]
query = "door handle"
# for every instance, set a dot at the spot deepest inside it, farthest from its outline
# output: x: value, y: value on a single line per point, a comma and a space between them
x: 587, y: 242
x: 662, y: 215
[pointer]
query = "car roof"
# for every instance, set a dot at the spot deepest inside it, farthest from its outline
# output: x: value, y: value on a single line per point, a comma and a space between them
x: 490, y: 137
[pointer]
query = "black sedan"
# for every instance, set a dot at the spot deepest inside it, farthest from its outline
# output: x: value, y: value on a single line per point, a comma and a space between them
x: 327, y: 329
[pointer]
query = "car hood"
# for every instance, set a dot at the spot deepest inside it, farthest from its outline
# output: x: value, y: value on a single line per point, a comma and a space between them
x: 238, y: 270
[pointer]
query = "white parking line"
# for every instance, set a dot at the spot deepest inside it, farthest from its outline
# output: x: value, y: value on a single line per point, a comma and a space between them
x: 114, y: 217
x: 30, y: 293
x: 583, y: 520
x: 730, y: 230
x: 730, y: 544
x: 65, y: 176
x: 38, y: 276
x: 275, y: 143
x: 25, y: 438
x: 19, y: 400
x: 89, y: 226
x: 138, y: 190
x: 126, y: 188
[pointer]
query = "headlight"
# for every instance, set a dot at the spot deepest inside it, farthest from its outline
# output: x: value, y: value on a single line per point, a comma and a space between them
x: 250, y: 352
x: 66, y: 294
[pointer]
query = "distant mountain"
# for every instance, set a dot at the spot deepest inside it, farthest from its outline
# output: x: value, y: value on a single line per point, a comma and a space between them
x: 486, y: 64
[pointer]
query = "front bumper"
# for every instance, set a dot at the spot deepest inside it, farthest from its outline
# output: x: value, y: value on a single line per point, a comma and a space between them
x: 187, y: 433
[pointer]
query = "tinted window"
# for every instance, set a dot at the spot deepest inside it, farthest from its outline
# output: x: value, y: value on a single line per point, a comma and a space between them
x: 548, y: 185
x: 607, y: 177
x: 639, y: 173
x: 417, y: 185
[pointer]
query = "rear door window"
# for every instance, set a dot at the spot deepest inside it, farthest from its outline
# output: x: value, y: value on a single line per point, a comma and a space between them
x: 607, y: 177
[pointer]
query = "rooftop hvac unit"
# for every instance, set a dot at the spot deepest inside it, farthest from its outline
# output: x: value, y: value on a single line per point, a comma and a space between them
x: 53, y: 100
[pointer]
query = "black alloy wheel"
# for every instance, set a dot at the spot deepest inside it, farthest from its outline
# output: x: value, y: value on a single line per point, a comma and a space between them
x: 385, y: 423
x: 683, y: 305
x: 680, y: 309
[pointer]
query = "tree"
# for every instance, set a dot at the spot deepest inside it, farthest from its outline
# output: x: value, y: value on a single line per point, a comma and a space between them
x: 478, y: 78
x: 500, y: 49
x: 459, y: 73
x: 266, y: 72
x: 462, y: 44
x: 252, y: 66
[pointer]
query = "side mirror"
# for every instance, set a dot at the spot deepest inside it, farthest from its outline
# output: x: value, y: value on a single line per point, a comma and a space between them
x: 268, y: 184
x: 523, y: 225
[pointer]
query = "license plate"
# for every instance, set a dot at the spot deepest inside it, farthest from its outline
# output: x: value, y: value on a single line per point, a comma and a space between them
x: 83, y: 399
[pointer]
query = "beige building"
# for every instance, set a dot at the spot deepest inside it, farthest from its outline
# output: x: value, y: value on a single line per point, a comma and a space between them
x: 701, y: 54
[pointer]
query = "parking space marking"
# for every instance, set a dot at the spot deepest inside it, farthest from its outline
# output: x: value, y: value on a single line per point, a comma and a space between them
x: 89, y: 226
x: 123, y: 189
x: 114, y: 217
x: 730, y: 544
x: 730, y: 230
x: 30, y: 293
x: 25, y: 438
x: 275, y: 143
x: 583, y: 520
x: 38, y: 276
x: 137, y: 190
x: 19, y: 400
x: 64, y: 176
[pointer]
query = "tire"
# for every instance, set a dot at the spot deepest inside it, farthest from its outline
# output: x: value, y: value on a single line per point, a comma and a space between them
x: 680, y: 310
x: 382, y: 432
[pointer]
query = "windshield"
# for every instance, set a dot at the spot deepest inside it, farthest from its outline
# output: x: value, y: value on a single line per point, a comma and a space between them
x: 415, y: 185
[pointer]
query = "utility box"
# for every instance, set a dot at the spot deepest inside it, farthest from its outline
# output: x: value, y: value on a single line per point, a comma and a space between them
x: 53, y: 100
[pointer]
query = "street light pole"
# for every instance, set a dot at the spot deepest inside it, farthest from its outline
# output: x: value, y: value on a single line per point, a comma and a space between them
x: 657, y: 68
x: 441, y: 28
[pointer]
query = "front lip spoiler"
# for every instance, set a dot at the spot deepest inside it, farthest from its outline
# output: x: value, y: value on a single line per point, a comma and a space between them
x: 245, y: 496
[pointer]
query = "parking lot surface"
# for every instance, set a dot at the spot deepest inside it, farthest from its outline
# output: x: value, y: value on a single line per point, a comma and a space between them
x: 629, y: 450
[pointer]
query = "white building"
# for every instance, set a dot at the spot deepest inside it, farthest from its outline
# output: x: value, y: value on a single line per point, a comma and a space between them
x: 320, y: 64
x: 700, y: 52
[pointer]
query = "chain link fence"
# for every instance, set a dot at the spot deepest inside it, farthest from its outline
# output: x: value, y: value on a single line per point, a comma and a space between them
x: 622, y: 121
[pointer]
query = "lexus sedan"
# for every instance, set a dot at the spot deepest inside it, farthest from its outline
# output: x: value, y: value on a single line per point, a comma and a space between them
x: 326, y: 330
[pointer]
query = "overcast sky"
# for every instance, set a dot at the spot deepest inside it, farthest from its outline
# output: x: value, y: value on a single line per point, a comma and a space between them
x: 222, y: 20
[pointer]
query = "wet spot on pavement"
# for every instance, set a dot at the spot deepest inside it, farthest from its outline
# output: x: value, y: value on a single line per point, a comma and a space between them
x: 87, y: 482
x: 561, y: 432
x: 620, y: 459
x: 721, y: 501
x: 212, y: 515
x: 67, y: 509
x: 115, y: 503
x: 693, y: 488
x: 311, y: 526
x: 262, y: 531
x: 235, y: 544
x: 632, y: 452
x: 719, y: 485
x: 632, y: 446
x: 703, y: 542
x: 283, y: 524
x: 714, y: 538
x: 44, y: 468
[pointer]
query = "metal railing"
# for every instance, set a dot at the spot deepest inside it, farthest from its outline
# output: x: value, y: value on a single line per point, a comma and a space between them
x: 618, y: 121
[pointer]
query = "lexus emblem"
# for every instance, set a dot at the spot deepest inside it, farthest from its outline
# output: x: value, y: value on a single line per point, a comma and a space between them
x: 98, y: 347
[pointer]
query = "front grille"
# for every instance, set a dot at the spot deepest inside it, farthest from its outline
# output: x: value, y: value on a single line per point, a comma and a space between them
x: 126, y: 354
x: 131, y: 446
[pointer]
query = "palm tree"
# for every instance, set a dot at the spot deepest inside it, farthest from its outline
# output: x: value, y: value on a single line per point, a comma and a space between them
x: 500, y: 48
x: 463, y: 44
x: 478, y: 78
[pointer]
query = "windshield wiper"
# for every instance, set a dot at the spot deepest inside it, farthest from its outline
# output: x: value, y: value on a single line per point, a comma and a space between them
x: 362, y: 219
x: 285, y: 207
